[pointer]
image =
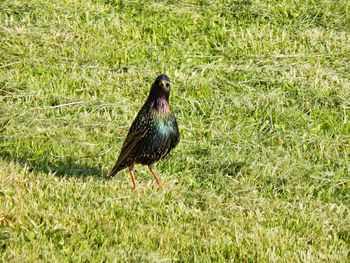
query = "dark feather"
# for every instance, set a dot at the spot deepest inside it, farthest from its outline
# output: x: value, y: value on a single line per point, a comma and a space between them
x: 153, y: 133
x: 129, y: 144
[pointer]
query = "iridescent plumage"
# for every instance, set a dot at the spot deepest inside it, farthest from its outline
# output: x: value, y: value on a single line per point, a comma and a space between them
x: 153, y: 133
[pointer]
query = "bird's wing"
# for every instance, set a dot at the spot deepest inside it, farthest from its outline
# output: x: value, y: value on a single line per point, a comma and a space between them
x: 131, y: 140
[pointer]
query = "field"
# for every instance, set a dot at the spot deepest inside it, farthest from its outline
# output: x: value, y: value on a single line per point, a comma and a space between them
x: 261, y: 91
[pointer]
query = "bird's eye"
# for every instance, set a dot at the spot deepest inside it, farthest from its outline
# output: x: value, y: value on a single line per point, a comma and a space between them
x: 167, y: 85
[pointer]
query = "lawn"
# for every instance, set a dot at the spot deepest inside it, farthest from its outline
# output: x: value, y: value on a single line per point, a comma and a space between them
x: 261, y: 91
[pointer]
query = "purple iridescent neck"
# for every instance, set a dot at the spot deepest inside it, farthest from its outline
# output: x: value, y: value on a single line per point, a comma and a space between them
x: 161, y: 106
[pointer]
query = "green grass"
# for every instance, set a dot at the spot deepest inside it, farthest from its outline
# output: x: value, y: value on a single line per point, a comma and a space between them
x: 261, y: 90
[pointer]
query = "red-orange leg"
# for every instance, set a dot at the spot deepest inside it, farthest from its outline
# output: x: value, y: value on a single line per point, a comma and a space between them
x: 154, y: 173
x: 131, y: 169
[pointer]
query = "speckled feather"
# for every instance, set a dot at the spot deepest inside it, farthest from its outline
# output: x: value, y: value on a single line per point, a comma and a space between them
x: 153, y: 133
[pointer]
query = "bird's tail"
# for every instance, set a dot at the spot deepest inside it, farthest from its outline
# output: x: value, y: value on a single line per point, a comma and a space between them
x: 114, y: 171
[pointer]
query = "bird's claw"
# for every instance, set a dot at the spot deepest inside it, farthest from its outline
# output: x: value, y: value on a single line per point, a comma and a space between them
x: 138, y: 189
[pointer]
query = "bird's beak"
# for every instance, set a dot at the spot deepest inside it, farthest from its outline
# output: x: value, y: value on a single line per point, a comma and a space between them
x: 165, y: 85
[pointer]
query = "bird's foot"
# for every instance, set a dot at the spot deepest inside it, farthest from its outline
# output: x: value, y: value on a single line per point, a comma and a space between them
x: 138, y: 189
x: 160, y: 186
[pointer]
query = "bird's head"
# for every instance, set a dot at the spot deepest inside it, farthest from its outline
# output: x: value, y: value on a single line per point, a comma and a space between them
x: 161, y: 87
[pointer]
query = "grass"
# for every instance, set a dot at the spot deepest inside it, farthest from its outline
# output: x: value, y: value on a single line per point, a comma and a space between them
x: 261, y: 90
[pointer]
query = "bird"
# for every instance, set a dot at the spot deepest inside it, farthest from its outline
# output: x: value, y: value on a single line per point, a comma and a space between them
x: 152, y: 135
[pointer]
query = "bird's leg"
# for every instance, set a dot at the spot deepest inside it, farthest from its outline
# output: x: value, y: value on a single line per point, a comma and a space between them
x: 131, y: 169
x: 154, y: 173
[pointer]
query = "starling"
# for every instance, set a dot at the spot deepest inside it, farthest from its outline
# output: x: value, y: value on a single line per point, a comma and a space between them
x: 153, y: 133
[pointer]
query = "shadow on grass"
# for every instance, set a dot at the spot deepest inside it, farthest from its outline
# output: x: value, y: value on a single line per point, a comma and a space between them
x: 34, y: 162
x: 65, y: 168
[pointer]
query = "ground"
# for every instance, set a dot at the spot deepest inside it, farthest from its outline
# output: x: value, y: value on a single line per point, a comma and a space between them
x: 261, y: 91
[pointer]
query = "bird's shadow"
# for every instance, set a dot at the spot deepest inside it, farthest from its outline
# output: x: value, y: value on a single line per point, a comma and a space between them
x: 63, y: 168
